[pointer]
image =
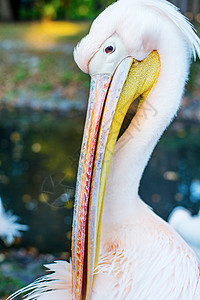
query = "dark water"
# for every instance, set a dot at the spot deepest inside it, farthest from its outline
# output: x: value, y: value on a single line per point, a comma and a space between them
x: 172, y: 177
x: 39, y: 154
x: 38, y: 163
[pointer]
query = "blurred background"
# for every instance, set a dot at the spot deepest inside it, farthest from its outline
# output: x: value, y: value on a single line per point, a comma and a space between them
x: 43, y: 100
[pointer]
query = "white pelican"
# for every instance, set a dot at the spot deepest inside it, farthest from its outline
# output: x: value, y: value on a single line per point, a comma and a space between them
x: 187, y: 226
x: 9, y: 228
x: 122, y: 250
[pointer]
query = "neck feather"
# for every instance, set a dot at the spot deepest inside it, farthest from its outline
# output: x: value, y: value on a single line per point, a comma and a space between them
x: 134, y: 148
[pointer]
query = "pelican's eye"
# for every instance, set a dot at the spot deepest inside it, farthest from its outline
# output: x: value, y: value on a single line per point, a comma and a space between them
x: 109, y: 49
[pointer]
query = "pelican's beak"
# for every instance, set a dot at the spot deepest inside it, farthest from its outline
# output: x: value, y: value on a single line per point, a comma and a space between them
x: 110, y: 98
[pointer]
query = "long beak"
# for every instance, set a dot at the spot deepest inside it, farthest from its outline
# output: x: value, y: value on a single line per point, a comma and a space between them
x: 110, y: 98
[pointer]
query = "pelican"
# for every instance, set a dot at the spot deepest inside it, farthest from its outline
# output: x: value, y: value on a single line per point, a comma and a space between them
x: 9, y: 228
x: 121, y: 250
x: 187, y: 226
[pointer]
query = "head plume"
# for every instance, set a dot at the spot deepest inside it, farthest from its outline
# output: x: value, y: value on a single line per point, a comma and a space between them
x: 137, y: 23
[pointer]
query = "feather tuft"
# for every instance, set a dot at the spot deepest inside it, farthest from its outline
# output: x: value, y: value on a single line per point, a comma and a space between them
x: 56, y: 285
x: 9, y: 228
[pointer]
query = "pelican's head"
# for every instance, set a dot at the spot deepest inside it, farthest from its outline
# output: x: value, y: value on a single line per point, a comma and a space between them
x: 121, y: 54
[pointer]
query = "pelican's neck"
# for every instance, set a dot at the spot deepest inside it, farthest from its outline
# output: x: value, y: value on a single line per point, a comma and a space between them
x: 134, y: 148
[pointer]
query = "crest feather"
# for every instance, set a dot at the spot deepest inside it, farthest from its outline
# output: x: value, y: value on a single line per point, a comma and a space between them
x: 173, y: 13
x: 108, y: 23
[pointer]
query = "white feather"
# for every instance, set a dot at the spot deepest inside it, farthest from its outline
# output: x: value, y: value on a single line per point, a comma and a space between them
x: 144, y: 258
x: 187, y: 226
x: 9, y: 227
x: 57, y: 285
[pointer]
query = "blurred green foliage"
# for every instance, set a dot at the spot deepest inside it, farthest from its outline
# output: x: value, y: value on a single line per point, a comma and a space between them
x: 61, y: 9
x: 9, y: 284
